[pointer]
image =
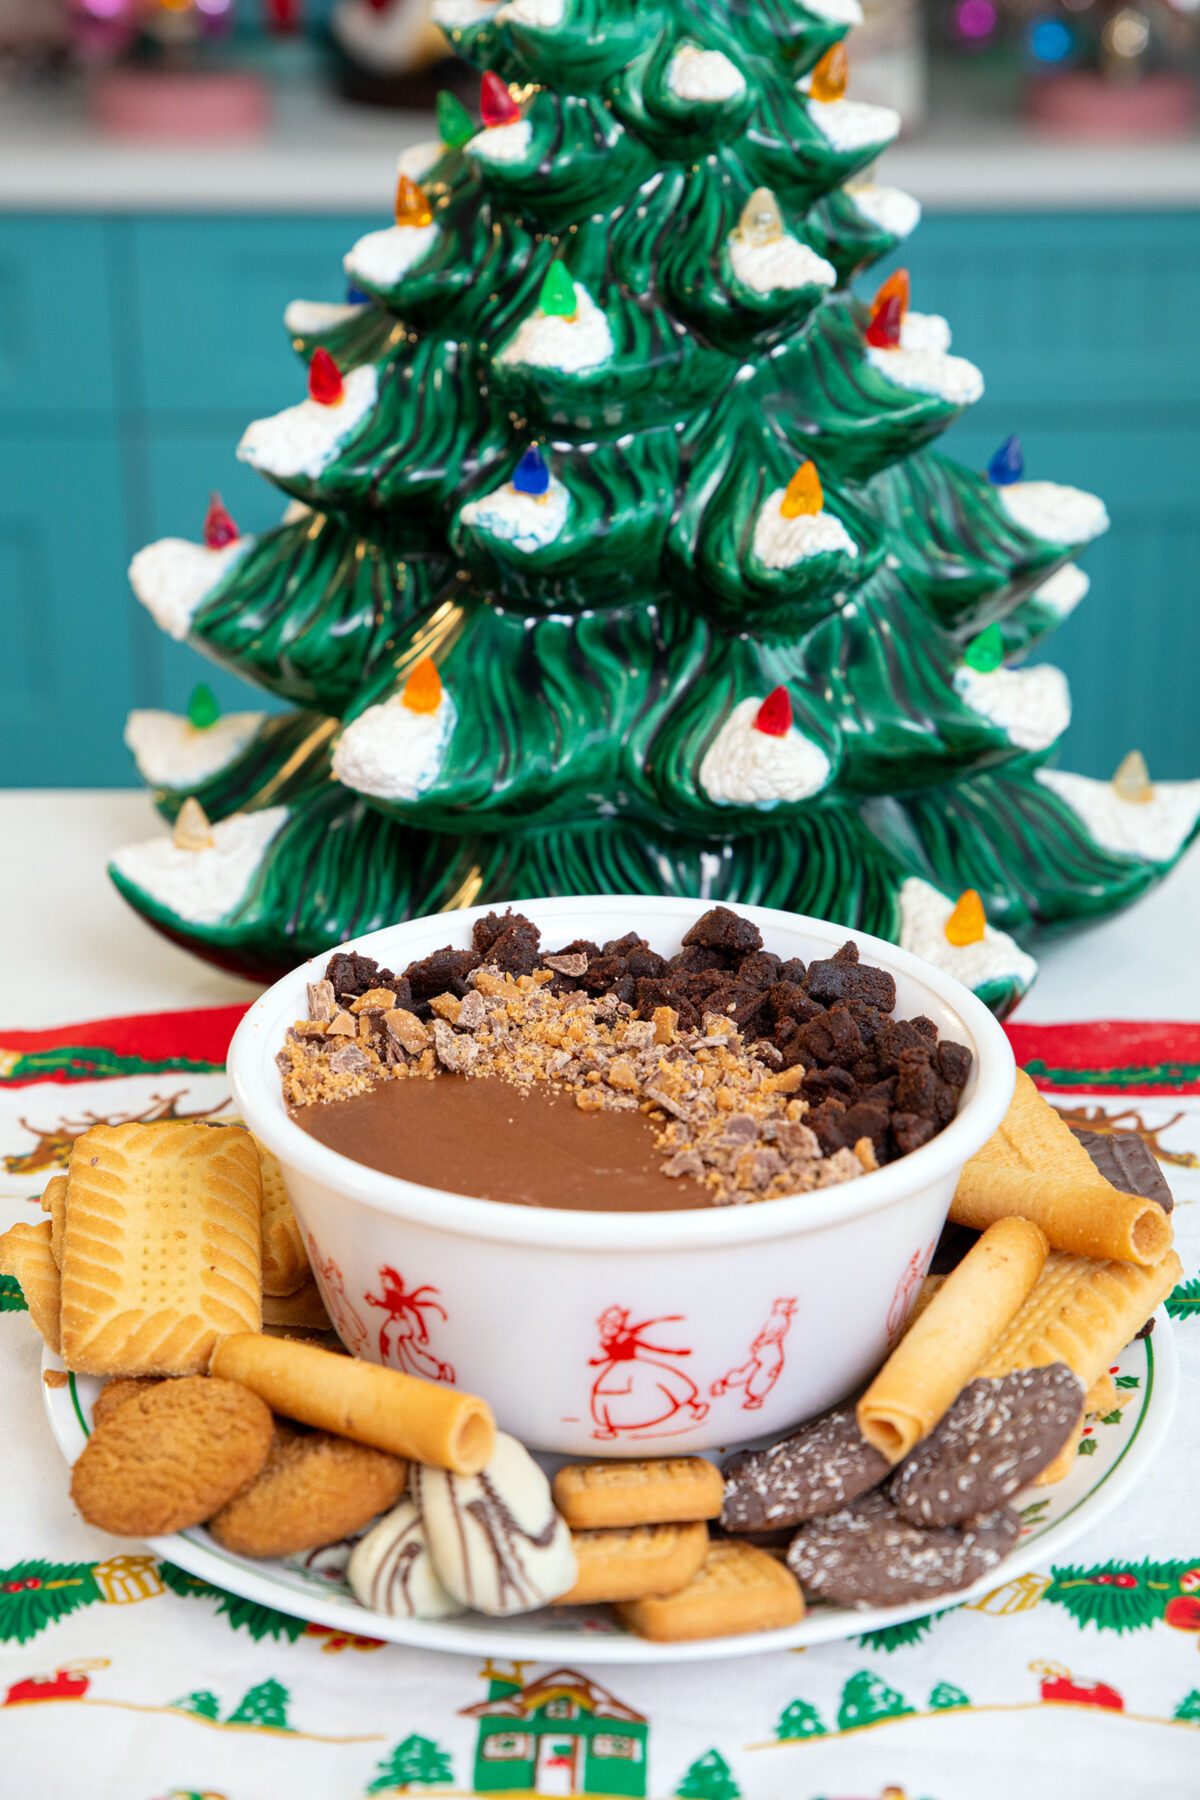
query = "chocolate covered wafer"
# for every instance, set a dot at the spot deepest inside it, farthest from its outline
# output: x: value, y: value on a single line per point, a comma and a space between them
x: 996, y: 1438
x: 820, y: 1468
x: 737, y: 1588
x: 26, y: 1255
x: 1127, y: 1162
x: 160, y: 1254
x: 868, y: 1555
x: 1082, y: 1313
x: 634, y: 1562
x: 660, y: 1491
x: 415, y: 1419
x: 934, y: 1361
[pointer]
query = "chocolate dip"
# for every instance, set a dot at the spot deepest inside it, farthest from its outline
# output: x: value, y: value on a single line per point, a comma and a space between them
x: 496, y: 1141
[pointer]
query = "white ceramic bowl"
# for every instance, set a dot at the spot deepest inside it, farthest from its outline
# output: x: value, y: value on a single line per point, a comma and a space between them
x: 616, y: 1334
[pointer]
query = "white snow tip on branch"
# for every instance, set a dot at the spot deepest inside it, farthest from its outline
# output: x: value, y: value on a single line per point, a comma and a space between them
x: 173, y: 578
x: 546, y: 341
x: 781, y: 543
x: 1155, y: 830
x: 455, y: 15
x: 305, y: 439
x: 949, y: 378
x: 383, y: 258
x: 171, y: 752
x: 705, y: 76
x: 925, y: 331
x: 924, y: 915
x: 418, y: 159
x: 541, y: 15
x: 309, y: 318
x: 852, y: 124
x: 527, y: 522
x: 202, y: 886
x: 747, y: 767
x: 837, y: 12
x: 889, y: 209
x: 1058, y: 514
x: 393, y: 753
x: 785, y: 263
x: 1064, y: 590
x: 502, y: 143
x: 1032, y: 707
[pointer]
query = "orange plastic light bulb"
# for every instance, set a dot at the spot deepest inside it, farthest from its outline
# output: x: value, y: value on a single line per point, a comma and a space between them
x: 423, y: 689
x: 805, y: 495
x: 967, y: 924
x: 831, y: 74
x: 325, y: 384
x: 1132, y: 780
x: 898, y: 286
x: 412, y: 204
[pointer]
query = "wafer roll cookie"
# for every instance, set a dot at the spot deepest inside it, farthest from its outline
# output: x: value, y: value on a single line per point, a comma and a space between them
x: 284, y: 1259
x: 414, y: 1419
x: 1033, y: 1136
x: 161, y: 1251
x: 26, y: 1255
x: 737, y: 1588
x: 1079, y: 1216
x: 54, y: 1202
x: 634, y: 1562
x: 933, y: 1362
x: 1081, y: 1312
x: 662, y: 1491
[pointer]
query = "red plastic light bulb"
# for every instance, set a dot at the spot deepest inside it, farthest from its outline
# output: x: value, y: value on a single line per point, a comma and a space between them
x: 887, y: 322
x: 325, y: 384
x: 219, y: 528
x: 496, y: 104
x: 774, y: 717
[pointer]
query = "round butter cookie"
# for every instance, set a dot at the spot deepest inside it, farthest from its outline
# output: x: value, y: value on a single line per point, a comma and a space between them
x: 168, y: 1457
x: 313, y: 1489
x: 116, y: 1392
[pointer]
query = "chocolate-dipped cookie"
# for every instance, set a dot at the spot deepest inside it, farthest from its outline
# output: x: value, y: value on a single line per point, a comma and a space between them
x: 1127, y: 1161
x: 868, y: 1555
x: 996, y: 1437
x: 823, y: 1466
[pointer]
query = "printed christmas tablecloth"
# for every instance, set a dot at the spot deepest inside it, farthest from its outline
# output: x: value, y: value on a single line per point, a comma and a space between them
x: 123, y: 1678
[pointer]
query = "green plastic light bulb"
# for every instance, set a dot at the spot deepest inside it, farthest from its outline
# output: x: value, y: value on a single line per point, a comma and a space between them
x: 558, y: 292
x: 455, y: 124
x: 203, y: 710
x: 986, y: 652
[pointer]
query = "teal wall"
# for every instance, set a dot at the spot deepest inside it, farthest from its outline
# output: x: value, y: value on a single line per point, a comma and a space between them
x: 134, y: 349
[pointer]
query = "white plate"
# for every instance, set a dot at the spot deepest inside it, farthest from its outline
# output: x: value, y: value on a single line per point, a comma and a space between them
x: 1055, y: 1518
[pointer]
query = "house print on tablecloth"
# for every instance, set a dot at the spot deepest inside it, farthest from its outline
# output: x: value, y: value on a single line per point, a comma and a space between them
x: 561, y: 1734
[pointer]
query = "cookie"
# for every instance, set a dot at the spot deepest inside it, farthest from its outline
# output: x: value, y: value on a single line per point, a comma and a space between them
x: 116, y: 1392
x: 54, y: 1202
x: 867, y: 1555
x: 663, y: 1491
x: 161, y: 1247
x: 737, y: 1588
x: 284, y: 1259
x: 391, y: 1571
x: 1082, y: 1313
x: 1127, y: 1162
x: 497, y: 1542
x: 26, y: 1253
x: 633, y: 1562
x: 312, y: 1490
x: 823, y: 1466
x: 303, y: 1310
x: 995, y: 1439
x: 167, y: 1458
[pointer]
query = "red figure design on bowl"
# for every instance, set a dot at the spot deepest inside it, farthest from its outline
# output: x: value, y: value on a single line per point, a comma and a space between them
x: 635, y: 1391
x: 350, y: 1325
x: 765, y: 1365
x: 406, y: 1313
x: 906, y: 1292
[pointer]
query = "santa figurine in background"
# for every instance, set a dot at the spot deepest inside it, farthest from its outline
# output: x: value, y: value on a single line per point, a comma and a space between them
x: 390, y: 52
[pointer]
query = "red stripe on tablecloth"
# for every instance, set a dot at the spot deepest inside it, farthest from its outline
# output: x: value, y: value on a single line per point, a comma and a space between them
x: 1124, y: 1055
x: 201, y: 1034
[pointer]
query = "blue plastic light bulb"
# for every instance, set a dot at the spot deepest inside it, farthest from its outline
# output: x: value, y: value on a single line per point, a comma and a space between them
x: 531, y: 475
x: 1008, y: 465
x: 355, y: 295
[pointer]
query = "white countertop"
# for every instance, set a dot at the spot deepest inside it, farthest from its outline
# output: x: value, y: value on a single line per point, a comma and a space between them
x: 70, y: 948
x: 324, y: 156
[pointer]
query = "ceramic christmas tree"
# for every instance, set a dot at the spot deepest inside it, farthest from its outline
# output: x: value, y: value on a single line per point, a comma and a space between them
x: 617, y: 554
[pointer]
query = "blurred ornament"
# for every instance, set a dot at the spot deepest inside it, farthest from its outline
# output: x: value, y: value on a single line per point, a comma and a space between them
x: 496, y: 104
x: 831, y: 75
x: 531, y: 475
x: 411, y: 205
x: 1008, y: 465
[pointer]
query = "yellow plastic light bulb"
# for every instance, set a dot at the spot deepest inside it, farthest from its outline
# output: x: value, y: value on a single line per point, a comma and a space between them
x: 805, y: 495
x: 1132, y: 780
x: 412, y: 203
x: 423, y: 689
x: 761, y: 221
x: 831, y: 74
x: 968, y: 922
x: 192, y: 829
